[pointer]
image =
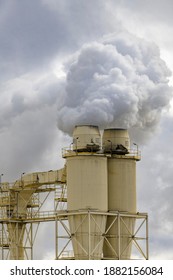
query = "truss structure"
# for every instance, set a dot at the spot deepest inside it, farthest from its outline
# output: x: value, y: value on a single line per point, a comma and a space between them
x: 19, y: 229
x: 22, y: 209
x: 137, y: 238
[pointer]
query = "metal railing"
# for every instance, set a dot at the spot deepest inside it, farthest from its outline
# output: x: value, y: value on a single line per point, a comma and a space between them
x: 68, y: 151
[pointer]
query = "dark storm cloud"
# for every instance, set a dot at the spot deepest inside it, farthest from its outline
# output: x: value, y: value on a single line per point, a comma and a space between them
x: 30, y: 34
x: 33, y: 32
x: 34, y: 35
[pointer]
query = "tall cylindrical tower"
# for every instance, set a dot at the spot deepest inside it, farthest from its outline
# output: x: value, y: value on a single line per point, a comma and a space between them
x: 87, y: 190
x: 121, y: 192
x: 102, y: 180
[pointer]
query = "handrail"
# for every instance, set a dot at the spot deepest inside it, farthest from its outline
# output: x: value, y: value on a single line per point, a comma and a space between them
x: 68, y: 151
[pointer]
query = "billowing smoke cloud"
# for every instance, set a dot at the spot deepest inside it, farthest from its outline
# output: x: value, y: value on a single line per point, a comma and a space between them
x: 120, y: 81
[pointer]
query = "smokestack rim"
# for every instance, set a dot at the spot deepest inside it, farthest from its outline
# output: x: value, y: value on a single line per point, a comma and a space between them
x: 114, y: 128
x: 89, y: 125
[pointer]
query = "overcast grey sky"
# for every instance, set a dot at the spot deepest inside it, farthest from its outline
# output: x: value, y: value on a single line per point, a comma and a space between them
x: 57, y: 57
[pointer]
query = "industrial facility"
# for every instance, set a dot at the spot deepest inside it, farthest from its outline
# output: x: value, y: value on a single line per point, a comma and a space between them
x: 94, y: 213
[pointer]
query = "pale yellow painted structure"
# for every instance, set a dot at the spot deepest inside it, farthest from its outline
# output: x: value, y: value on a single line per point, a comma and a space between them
x: 121, y: 193
x: 101, y: 197
x: 113, y: 137
x: 87, y: 189
x: 19, y: 199
x: 121, y: 198
x: 86, y: 136
x: 122, y: 184
x: 103, y: 181
x: 87, y: 182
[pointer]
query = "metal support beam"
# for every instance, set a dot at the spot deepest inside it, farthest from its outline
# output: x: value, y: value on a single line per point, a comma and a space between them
x: 119, y: 219
x: 21, y: 214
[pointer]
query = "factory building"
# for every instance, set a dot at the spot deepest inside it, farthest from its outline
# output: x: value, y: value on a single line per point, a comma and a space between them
x: 95, y: 213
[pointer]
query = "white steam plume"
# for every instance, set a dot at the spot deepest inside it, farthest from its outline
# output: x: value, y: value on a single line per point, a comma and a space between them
x: 119, y: 82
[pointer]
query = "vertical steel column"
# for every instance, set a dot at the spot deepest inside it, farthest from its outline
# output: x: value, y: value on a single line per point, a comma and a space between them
x: 89, y: 235
x: 147, y: 237
x: 56, y: 238
x: 119, y: 237
x: 32, y: 241
x: 2, y: 240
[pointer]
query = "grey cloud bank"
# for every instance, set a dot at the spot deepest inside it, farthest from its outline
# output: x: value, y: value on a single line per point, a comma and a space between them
x: 111, y: 53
